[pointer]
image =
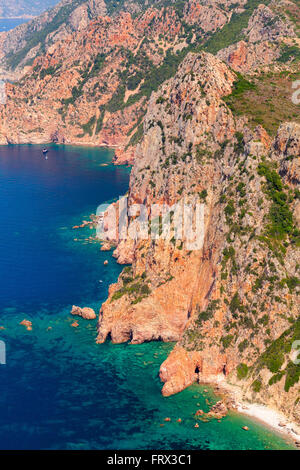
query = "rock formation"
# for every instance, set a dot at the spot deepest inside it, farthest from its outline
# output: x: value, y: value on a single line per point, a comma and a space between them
x: 195, y: 131
x: 86, y: 313
x: 228, y: 303
x: 86, y: 69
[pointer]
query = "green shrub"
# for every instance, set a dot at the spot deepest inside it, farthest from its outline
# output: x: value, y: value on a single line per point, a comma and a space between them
x: 276, y: 378
x: 232, y: 32
x: 256, y: 385
x: 88, y: 127
x: 280, y: 216
x: 242, y: 371
x: 289, y: 53
x: 208, y: 313
x: 243, y: 345
x: 236, y: 304
x: 226, y: 341
x: 229, y: 209
x: 292, y: 375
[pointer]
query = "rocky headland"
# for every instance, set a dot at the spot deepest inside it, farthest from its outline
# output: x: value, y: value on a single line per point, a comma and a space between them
x: 197, y: 96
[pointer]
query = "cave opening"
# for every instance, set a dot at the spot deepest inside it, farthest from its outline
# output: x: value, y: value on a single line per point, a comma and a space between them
x: 197, y: 371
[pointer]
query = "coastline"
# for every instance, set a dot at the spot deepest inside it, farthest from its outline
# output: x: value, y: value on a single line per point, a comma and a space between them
x: 164, y: 430
x: 273, y: 419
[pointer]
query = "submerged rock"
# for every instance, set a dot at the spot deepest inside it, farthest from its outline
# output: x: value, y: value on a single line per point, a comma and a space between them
x: 27, y: 324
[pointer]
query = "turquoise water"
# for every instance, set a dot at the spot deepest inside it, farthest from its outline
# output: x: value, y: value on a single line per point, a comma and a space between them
x: 59, y: 390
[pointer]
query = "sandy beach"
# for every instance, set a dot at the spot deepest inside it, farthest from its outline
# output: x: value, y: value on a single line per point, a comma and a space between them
x: 272, y: 418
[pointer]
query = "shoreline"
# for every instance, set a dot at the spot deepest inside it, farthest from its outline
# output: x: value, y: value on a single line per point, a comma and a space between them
x: 273, y: 419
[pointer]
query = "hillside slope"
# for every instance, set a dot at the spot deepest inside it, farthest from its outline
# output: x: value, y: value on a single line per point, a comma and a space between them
x: 198, y: 96
x: 93, y: 81
x: 233, y: 306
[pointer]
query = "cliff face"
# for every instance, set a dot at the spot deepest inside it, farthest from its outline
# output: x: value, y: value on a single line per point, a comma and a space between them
x: 86, y: 69
x: 195, y: 131
x: 228, y: 303
x: 19, y: 47
x: 181, y: 115
x: 92, y: 84
x: 256, y: 287
x: 269, y: 32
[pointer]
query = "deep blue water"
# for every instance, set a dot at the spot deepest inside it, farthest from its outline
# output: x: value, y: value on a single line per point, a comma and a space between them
x: 10, y: 23
x: 59, y: 390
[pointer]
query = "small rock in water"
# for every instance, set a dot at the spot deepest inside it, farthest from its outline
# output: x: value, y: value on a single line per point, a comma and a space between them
x: 86, y: 313
x: 28, y: 324
x: 218, y: 411
x: 196, y: 425
x: 75, y: 324
x: 245, y: 428
x: 106, y: 247
x: 105, y: 263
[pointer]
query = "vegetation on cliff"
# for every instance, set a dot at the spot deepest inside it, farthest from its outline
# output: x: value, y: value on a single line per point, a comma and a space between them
x: 200, y: 127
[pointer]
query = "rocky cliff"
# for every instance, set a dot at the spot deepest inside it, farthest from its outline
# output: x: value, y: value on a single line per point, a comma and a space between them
x: 268, y: 35
x: 86, y: 69
x: 163, y: 83
x: 226, y: 304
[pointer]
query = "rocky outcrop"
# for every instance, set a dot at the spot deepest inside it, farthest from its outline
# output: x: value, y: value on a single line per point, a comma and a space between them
x: 268, y: 29
x: 245, y: 57
x: 231, y: 301
x: 236, y: 294
x: 86, y: 312
x: 129, y: 314
x: 92, y: 84
x: 124, y: 156
x: 266, y: 25
x: 198, y: 356
x: 20, y: 46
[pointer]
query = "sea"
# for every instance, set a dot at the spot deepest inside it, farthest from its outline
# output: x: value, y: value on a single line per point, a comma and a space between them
x: 6, y: 24
x: 58, y: 388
